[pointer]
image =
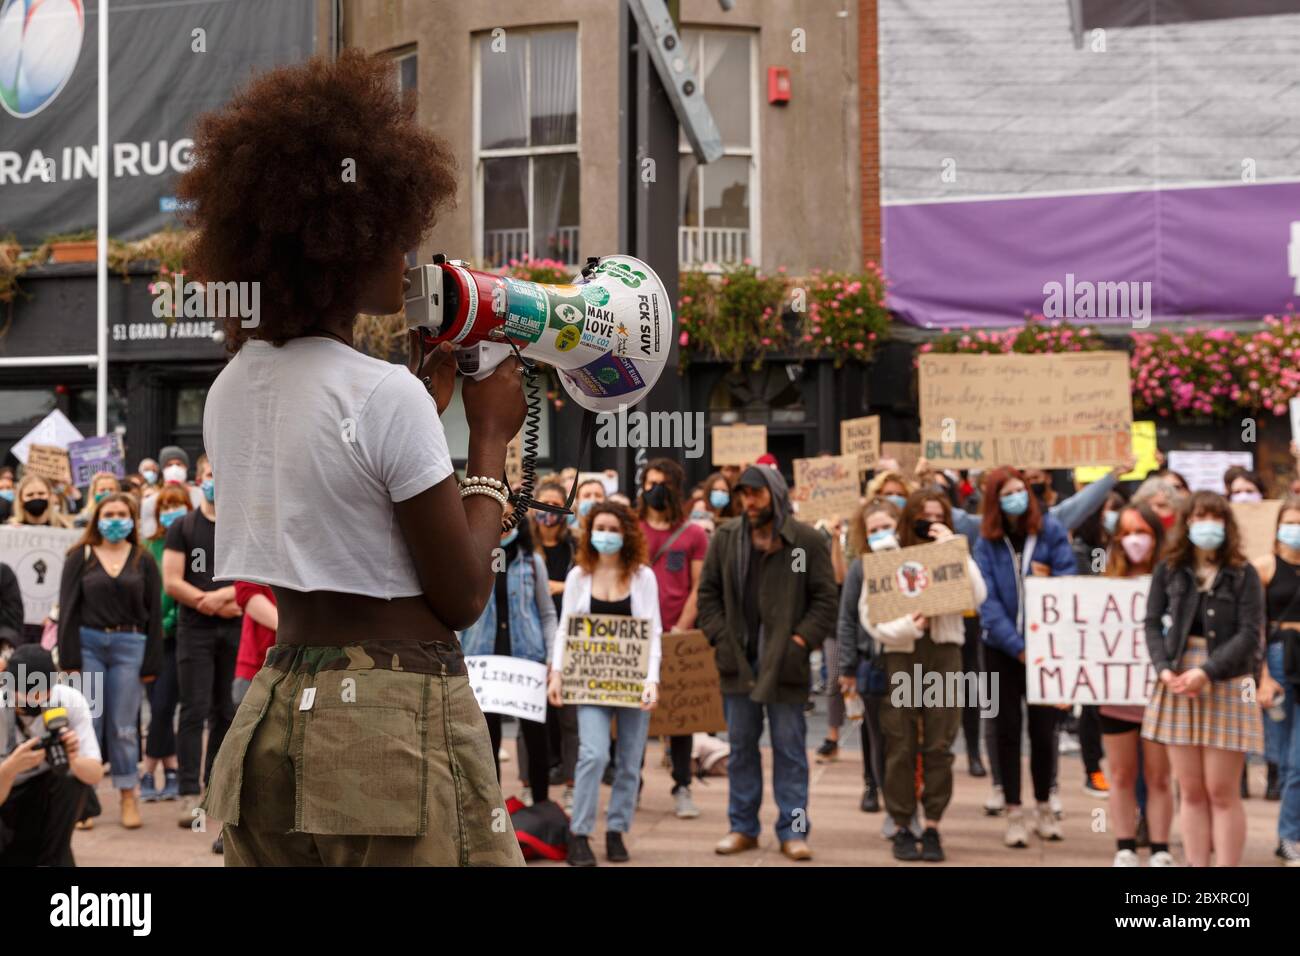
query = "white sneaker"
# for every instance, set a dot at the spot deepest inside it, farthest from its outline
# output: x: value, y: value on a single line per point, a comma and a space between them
x: 888, y: 828
x: 1046, y: 824
x: 503, y: 755
x: 1291, y: 852
x: 1068, y: 745
x: 1163, y: 858
x: 1016, y: 835
x: 996, y: 803
x: 566, y: 800
x: 684, y: 806
x: 1054, y: 801
x: 1128, y: 858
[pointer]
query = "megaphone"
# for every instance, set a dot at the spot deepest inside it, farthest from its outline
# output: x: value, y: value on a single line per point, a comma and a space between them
x: 607, y: 333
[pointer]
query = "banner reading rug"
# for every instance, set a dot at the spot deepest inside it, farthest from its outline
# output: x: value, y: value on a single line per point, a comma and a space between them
x: 690, y: 691
x: 605, y: 660
x: 36, y: 556
x: 1085, y: 640
x: 1031, y: 411
x: 508, y: 685
x: 926, y: 579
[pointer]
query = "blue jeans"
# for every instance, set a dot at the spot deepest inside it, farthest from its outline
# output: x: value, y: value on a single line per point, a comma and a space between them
x: 118, y: 656
x: 1282, y: 745
x: 745, y: 766
x: 593, y: 757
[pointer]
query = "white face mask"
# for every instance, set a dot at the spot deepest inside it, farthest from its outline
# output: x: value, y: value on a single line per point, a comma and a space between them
x: 175, y: 473
x: 1246, y: 496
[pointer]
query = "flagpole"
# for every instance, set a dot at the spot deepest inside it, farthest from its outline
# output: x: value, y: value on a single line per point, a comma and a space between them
x: 101, y: 255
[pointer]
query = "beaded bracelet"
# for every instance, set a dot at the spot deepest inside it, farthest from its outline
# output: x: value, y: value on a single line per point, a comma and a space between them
x: 498, y: 496
x: 483, y: 480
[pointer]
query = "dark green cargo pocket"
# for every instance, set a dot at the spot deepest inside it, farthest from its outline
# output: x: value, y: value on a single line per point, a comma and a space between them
x: 362, y: 765
x: 227, y: 777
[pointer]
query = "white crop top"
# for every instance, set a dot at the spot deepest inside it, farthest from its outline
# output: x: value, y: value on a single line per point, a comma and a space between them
x: 311, y: 443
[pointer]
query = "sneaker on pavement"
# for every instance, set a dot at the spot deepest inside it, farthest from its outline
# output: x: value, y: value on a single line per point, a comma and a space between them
x: 1054, y: 801
x: 905, y: 847
x: 219, y: 844
x: 1016, y: 836
x: 828, y: 751
x: 1046, y: 824
x: 580, y: 851
x: 149, y: 792
x: 1291, y: 852
x: 1095, y: 785
x: 870, y: 800
x: 888, y: 828
x: 1127, y: 858
x: 189, y: 804
x: 1162, y: 858
x: 171, y: 786
x: 735, y: 843
x: 683, y: 806
x: 615, y: 850
x: 931, y: 848
x: 1068, y: 745
x: 996, y: 804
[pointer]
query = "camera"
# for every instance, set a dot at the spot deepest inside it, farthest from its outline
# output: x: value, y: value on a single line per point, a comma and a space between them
x: 56, y: 754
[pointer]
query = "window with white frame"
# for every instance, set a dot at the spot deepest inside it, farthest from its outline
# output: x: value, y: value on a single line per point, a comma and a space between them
x: 719, y: 202
x: 526, y: 145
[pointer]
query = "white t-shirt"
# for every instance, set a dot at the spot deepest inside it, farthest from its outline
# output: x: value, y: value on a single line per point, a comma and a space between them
x: 311, y: 443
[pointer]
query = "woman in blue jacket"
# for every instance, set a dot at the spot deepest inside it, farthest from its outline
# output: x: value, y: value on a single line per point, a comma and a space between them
x: 1017, y: 539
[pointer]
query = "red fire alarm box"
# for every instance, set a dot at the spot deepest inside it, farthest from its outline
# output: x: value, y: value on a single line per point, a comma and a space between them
x: 778, y: 85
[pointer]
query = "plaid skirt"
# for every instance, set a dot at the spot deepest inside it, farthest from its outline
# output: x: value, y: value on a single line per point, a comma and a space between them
x: 1224, y: 716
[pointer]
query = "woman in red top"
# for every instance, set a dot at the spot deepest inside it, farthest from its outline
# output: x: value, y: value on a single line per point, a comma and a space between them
x: 261, y: 620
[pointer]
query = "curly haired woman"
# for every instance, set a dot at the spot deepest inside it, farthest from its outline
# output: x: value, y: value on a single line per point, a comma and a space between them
x: 359, y: 742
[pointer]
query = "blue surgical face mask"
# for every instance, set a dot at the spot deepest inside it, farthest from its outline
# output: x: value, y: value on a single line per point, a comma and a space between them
x: 899, y: 501
x: 882, y: 541
x: 209, y: 489
x: 150, y: 476
x: 585, y: 506
x: 101, y: 495
x: 1289, y: 535
x: 168, y: 518
x: 1206, y: 535
x: 1016, y: 503
x: 1110, y: 521
x: 571, y: 520
x: 7, y: 494
x: 719, y: 499
x: 607, y: 542
x: 508, y: 538
x: 115, y: 529
x: 701, y: 516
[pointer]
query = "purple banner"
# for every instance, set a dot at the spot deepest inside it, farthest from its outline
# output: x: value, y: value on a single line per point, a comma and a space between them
x: 1214, y: 254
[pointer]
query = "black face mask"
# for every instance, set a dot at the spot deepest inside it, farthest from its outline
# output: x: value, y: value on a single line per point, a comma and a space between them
x: 921, y: 528
x: 36, y: 507
x: 1038, y: 488
x: 656, y: 496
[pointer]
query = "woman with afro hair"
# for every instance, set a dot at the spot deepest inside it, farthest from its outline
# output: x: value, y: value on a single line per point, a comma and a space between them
x: 359, y: 742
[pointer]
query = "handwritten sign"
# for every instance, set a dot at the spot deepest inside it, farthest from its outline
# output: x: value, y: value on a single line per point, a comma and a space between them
x: 825, y: 487
x: 1032, y: 411
x: 1257, y: 525
x: 1203, y: 470
x: 906, y: 453
x: 1085, y: 640
x: 54, y: 429
x: 926, y: 579
x: 49, y: 462
x: 90, y: 456
x: 606, y: 657
x: 508, y: 685
x: 861, y: 437
x: 690, y: 691
x: 738, y: 444
x: 1143, y: 437
x: 35, y: 554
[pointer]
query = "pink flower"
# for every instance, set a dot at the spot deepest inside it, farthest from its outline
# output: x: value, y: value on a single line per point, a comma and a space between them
x: 684, y: 339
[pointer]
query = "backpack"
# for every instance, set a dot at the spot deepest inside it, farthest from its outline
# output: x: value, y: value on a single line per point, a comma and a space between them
x: 542, y: 829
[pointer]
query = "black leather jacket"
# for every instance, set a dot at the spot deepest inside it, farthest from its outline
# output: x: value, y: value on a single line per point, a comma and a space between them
x: 1233, y: 625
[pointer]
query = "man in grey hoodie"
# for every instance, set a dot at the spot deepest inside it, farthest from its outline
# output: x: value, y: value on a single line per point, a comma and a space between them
x: 767, y: 598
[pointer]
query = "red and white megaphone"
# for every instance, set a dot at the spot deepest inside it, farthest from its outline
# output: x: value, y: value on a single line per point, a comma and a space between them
x: 608, y: 332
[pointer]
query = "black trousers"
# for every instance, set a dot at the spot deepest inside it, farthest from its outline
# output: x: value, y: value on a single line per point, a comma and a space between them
x: 679, y: 748
x: 1009, y: 724
x: 164, y: 694
x: 1090, y: 739
x: 36, y: 821
x: 970, y: 662
x: 539, y: 753
x: 205, y: 668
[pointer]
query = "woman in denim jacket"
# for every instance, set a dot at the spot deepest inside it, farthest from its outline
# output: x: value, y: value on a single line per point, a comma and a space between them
x: 518, y: 621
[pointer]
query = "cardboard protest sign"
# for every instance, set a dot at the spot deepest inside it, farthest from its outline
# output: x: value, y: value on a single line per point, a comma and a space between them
x: 54, y: 430
x: 606, y: 657
x: 826, y: 487
x: 1085, y: 640
x: 90, y: 456
x: 35, y: 554
x: 1143, y: 437
x: 738, y: 444
x: 861, y: 437
x: 690, y: 691
x: 49, y: 462
x: 508, y: 685
x: 1257, y: 524
x: 1204, y: 469
x: 906, y: 453
x: 926, y: 579
x: 1032, y: 411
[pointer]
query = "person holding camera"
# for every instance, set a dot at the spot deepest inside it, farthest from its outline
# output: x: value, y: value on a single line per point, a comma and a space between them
x: 45, y: 772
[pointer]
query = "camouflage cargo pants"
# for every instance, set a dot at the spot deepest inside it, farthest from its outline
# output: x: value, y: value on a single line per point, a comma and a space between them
x: 374, y: 754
